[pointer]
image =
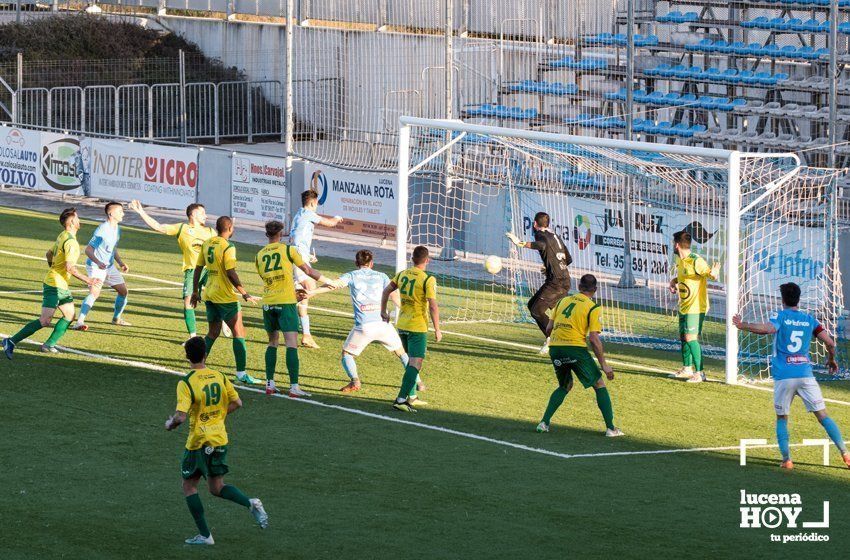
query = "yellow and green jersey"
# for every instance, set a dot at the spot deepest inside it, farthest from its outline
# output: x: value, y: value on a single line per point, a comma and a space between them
x: 692, y: 274
x: 574, y: 318
x: 218, y: 255
x: 416, y: 287
x: 274, y: 264
x: 190, y: 239
x: 65, y: 250
x: 204, y: 395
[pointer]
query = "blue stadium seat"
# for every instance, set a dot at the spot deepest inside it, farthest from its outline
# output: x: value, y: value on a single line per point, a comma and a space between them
x: 722, y: 47
x: 645, y: 40
x: 619, y: 95
x: 771, y: 50
x: 638, y: 125
x: 708, y: 102
x: 655, y: 98
x: 672, y: 98
x: 757, y: 23
x: 806, y: 53
x: 789, y: 24
x: 844, y: 27
x: 737, y: 47
x: 789, y: 51
x: 658, y: 70
x: 730, y: 75
x: 697, y: 128
x: 705, y: 45
x: 746, y: 77
x: 688, y: 99
x: 680, y: 71
x: 710, y: 74
x: 639, y: 95
x: 669, y: 17
x: 776, y: 23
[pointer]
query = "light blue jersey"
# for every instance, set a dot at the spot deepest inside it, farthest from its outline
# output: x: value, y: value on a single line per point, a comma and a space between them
x: 366, y: 287
x: 104, y: 240
x: 301, y: 234
x: 794, y: 332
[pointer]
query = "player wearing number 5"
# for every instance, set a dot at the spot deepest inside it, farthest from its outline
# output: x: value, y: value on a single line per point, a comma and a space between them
x: 574, y: 322
x: 275, y: 264
x: 691, y: 283
x: 221, y: 296
x: 418, y: 291
x: 791, y: 368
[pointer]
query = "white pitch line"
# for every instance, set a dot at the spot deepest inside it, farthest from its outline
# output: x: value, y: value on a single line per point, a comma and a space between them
x: 441, y: 429
x: 83, y: 290
x: 469, y: 336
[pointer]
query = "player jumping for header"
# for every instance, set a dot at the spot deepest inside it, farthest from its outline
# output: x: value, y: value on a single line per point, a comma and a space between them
x: 556, y: 258
x: 62, y: 263
x: 366, y: 287
x: 190, y: 237
x: 218, y: 257
x: 791, y: 368
x: 104, y: 263
x: 418, y: 291
x: 301, y: 237
x: 206, y: 397
x: 575, y: 321
x: 275, y: 264
x: 691, y: 283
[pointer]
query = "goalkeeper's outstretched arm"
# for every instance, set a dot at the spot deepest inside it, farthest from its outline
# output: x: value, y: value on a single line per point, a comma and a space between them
x: 520, y: 243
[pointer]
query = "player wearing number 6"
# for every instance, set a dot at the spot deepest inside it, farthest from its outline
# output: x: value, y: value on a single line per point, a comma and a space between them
x: 275, y: 264
x: 418, y: 291
x: 575, y: 320
x: 791, y: 368
x: 691, y: 283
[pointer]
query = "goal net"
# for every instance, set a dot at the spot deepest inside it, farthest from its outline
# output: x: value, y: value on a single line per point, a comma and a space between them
x: 615, y: 204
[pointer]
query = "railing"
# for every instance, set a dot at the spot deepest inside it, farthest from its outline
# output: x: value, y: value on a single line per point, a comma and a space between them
x: 236, y: 109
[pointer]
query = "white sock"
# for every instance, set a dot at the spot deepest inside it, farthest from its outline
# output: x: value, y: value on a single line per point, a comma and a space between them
x: 240, y: 374
x: 270, y: 383
x: 193, y: 335
x: 293, y: 387
x: 305, y: 325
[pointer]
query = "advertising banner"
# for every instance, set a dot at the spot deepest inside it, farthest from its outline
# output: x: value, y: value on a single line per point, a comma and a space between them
x: 62, y: 166
x: 258, y: 188
x: 163, y: 176
x: 20, y: 157
x: 368, y: 202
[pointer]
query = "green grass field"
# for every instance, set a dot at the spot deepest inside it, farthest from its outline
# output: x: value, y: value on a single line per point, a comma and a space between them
x: 89, y: 472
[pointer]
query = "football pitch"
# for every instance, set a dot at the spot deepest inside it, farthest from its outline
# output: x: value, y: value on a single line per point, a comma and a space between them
x: 89, y: 472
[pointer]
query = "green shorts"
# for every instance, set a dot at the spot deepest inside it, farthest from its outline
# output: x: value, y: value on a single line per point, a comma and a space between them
x: 691, y: 323
x: 206, y: 461
x: 189, y: 281
x: 414, y: 343
x: 281, y: 317
x: 52, y: 297
x: 574, y: 359
x: 222, y: 311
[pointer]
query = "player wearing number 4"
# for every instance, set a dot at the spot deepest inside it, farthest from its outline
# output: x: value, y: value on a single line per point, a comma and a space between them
x: 275, y: 264
x: 691, y: 283
x: 206, y: 397
x: 791, y: 368
x: 190, y: 239
x: 218, y: 258
x: 104, y: 263
x: 575, y: 320
x: 418, y: 291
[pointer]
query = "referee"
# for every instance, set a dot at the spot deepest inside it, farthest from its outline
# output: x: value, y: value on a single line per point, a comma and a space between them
x: 556, y: 258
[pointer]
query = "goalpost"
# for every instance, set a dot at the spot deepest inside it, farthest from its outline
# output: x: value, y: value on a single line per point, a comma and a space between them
x: 765, y: 218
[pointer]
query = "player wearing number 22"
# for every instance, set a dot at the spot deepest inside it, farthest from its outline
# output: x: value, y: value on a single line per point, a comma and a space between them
x: 221, y: 296
x: 275, y: 264
x: 575, y: 320
x: 418, y: 291
x: 206, y: 397
x: 791, y: 368
x: 691, y: 283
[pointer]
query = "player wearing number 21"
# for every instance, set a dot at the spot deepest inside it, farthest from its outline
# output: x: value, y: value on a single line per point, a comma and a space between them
x: 793, y: 331
x: 275, y: 264
x: 418, y: 291
x: 218, y: 258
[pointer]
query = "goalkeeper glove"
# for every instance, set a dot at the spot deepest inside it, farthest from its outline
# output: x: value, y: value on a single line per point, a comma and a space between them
x: 514, y: 239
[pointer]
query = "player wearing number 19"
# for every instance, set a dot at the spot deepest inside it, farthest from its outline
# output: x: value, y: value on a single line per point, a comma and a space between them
x: 418, y: 291
x: 275, y: 264
x: 575, y: 320
x: 218, y: 258
x: 206, y: 397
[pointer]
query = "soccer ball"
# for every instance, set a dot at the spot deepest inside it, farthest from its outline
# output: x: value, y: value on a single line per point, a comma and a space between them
x: 493, y: 264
